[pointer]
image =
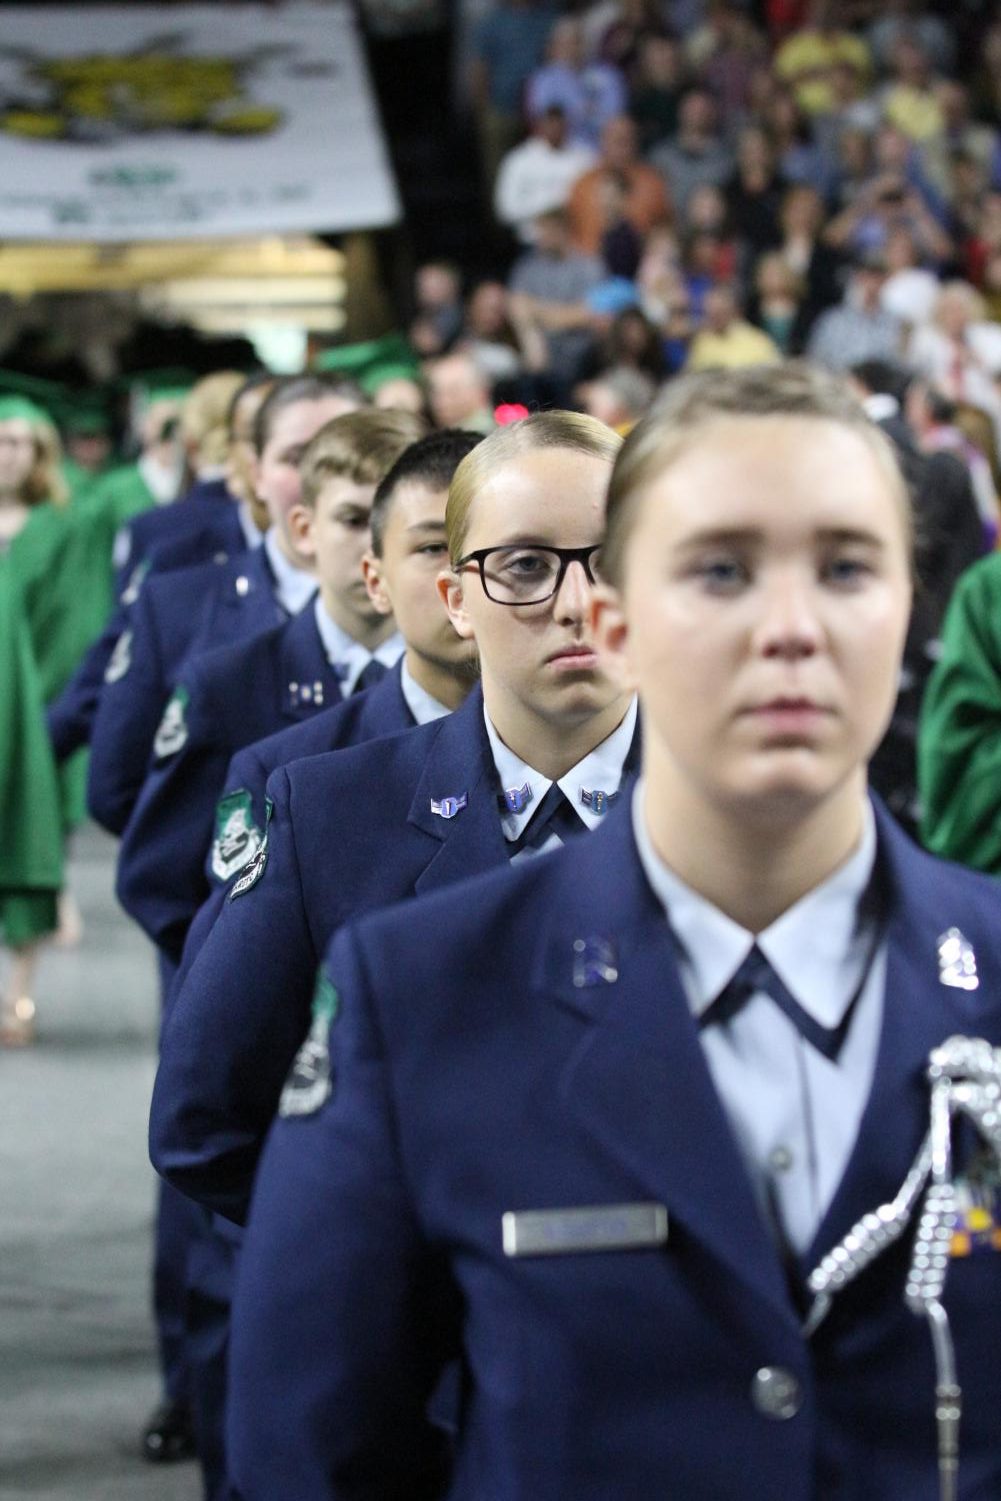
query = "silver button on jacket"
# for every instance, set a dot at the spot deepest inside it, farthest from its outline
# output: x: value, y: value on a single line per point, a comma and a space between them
x: 776, y: 1393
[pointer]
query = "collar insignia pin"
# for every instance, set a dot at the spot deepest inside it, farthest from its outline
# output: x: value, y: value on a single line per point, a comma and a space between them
x: 599, y: 802
x: 957, y: 963
x: 243, y: 585
x: 595, y: 962
x: 448, y: 807
x: 516, y: 799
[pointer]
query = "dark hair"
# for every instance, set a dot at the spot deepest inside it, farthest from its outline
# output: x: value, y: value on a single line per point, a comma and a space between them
x: 882, y: 378
x: 301, y: 388
x: 431, y: 462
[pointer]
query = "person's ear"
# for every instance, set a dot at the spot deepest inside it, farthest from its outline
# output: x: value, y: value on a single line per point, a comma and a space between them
x: 450, y: 591
x: 610, y: 630
x: 301, y: 523
x: 375, y: 583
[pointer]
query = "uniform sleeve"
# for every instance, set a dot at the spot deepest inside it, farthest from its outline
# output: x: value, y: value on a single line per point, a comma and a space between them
x: 341, y: 1320
x: 234, y: 1027
x: 244, y: 785
x: 132, y: 702
x: 71, y: 715
x: 959, y: 741
x: 161, y: 881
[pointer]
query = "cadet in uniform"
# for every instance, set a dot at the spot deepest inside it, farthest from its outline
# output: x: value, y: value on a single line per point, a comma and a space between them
x: 193, y: 609
x: 658, y: 1137
x: 431, y: 678
x: 533, y: 759
x: 237, y: 694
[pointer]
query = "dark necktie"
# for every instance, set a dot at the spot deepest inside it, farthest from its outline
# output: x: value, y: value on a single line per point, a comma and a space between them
x: 554, y: 815
x: 756, y: 974
x: 373, y: 672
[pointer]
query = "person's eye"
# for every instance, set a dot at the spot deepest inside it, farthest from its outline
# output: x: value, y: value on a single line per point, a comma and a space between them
x: 527, y: 565
x: 846, y: 572
x: 722, y: 575
x: 355, y: 521
x: 433, y: 549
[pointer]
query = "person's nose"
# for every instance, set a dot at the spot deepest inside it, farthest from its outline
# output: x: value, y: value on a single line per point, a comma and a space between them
x: 573, y: 598
x: 790, y: 623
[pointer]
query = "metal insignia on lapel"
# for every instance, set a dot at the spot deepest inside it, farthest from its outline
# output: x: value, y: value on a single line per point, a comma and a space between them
x: 448, y: 807
x: 957, y: 963
x: 594, y: 962
x: 301, y: 694
x: 597, y: 801
x: 242, y: 585
x: 516, y: 799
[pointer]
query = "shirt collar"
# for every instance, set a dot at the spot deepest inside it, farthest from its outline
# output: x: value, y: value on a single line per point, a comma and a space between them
x: 422, y: 706
x: 818, y: 947
x: 599, y: 771
x: 294, y: 587
x: 252, y: 534
x: 347, y: 656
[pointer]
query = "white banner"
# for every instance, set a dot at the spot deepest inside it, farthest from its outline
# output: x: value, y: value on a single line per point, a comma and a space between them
x: 142, y: 122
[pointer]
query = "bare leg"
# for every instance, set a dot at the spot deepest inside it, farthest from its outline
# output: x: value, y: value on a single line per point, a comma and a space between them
x: 17, y: 1009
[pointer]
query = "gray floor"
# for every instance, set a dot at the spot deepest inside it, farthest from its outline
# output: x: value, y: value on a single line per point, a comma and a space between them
x: 77, y: 1364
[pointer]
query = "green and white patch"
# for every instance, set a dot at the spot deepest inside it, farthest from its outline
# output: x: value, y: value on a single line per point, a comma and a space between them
x: 237, y: 838
x: 120, y: 660
x: 172, y: 735
x: 309, y: 1083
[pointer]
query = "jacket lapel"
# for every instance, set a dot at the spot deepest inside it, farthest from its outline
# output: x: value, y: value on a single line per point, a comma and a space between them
x: 306, y: 679
x: 384, y: 709
x: 459, y: 767
x: 638, y: 1083
x: 919, y: 1012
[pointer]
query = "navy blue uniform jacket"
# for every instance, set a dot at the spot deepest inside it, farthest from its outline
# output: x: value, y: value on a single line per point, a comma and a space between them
x: 198, y: 532
x: 175, y: 615
x: 478, y: 1070
x: 235, y: 695
x: 350, y: 832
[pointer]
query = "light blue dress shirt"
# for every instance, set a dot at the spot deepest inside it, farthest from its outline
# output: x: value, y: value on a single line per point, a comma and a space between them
x: 794, y: 1113
x: 348, y: 656
x: 599, y: 771
x: 294, y: 587
x: 422, y: 706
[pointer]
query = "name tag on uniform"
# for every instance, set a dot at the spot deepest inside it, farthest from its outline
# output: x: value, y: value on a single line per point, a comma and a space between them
x: 600, y: 1227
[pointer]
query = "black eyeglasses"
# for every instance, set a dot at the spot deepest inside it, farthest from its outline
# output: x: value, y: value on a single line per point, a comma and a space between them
x: 528, y: 575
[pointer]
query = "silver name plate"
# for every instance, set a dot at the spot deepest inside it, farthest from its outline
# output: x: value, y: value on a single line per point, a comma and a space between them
x: 601, y: 1227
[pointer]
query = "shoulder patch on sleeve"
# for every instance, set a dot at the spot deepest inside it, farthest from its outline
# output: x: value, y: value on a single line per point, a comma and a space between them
x: 120, y: 660
x: 309, y: 1083
x: 253, y: 872
x: 237, y: 838
x: 172, y: 735
x: 134, y: 585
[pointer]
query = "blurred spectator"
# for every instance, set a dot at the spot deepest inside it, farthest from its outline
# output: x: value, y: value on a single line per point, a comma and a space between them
x: 488, y: 333
x: 798, y: 156
x: 659, y: 279
x: 992, y: 287
x: 509, y: 43
x: 961, y: 135
x: 621, y: 244
x: 548, y: 290
x: 631, y: 342
x: 959, y: 351
x: 590, y: 93
x: 459, y: 392
x: 725, y: 339
x: 637, y: 23
x: 805, y: 60
x: 438, y: 315
x: 618, y: 397
x: 886, y: 203
x: 696, y: 153
x: 818, y: 266
x: 725, y: 53
x: 537, y: 175
x: 911, y: 18
x: 985, y: 241
x: 400, y: 393
x: 853, y: 107
x: 987, y: 81
x: 910, y: 290
x: 659, y: 81
x: 646, y: 203
x: 708, y: 215
x: 778, y: 303
x: 754, y: 192
x: 858, y: 329
x: 854, y: 164
x: 910, y: 100
x: 932, y: 419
